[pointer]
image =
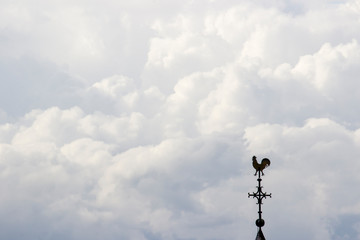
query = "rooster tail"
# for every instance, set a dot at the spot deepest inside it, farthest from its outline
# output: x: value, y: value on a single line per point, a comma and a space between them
x: 265, y: 162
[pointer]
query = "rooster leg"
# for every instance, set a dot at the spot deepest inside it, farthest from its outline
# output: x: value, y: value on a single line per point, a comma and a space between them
x: 262, y: 173
x: 255, y: 172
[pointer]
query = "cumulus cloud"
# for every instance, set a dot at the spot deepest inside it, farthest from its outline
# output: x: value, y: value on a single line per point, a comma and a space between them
x: 303, y: 152
x: 138, y: 120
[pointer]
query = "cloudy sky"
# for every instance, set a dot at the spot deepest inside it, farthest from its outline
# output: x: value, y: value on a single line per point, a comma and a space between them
x: 137, y: 120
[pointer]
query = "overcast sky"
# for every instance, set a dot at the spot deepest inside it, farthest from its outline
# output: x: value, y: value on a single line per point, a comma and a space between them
x: 137, y: 120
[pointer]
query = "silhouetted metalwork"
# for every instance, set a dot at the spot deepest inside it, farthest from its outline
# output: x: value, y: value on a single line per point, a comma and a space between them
x: 260, y: 195
x: 260, y: 235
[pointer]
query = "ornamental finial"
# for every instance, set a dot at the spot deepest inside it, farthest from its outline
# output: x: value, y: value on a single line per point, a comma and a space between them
x: 260, y: 195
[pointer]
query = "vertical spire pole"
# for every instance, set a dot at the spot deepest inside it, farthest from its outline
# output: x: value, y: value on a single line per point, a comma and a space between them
x: 260, y: 195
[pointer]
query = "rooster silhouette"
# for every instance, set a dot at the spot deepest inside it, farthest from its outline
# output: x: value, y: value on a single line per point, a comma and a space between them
x: 260, y: 167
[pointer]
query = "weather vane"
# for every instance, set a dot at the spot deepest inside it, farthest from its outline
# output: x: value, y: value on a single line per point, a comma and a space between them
x: 260, y: 195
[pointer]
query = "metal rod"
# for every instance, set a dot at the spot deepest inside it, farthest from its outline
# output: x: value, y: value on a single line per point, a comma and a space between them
x: 259, y: 195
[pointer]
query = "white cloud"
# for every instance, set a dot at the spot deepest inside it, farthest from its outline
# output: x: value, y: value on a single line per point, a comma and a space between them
x: 138, y: 120
x: 317, y: 166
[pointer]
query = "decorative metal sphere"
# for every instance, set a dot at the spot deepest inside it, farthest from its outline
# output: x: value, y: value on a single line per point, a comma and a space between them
x: 260, y: 222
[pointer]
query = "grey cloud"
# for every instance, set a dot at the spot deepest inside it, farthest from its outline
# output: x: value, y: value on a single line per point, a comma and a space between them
x: 28, y: 83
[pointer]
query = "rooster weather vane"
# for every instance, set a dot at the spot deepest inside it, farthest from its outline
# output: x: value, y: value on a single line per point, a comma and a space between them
x: 260, y: 195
